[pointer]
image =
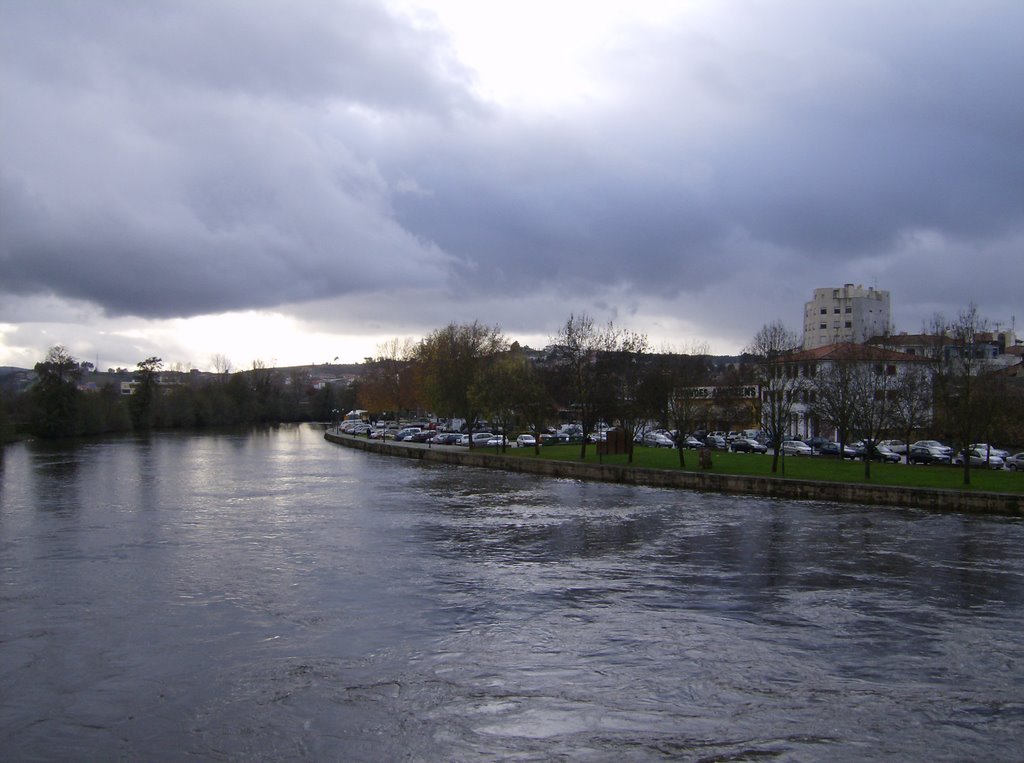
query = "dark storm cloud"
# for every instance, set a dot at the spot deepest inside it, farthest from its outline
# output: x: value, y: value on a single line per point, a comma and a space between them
x: 833, y: 146
x: 177, y: 159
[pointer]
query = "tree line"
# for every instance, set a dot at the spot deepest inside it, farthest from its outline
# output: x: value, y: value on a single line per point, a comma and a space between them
x: 589, y: 373
x: 56, y: 405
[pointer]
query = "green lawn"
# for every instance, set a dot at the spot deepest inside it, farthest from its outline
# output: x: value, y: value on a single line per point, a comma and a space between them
x: 816, y: 468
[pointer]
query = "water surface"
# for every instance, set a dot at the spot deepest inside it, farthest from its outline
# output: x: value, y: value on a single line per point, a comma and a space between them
x: 268, y: 596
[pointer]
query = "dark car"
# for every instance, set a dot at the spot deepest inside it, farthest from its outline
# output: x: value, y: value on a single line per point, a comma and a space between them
x: 834, y: 449
x: 885, y: 454
x: 927, y: 454
x: 817, y: 442
x: 446, y: 438
x: 715, y: 442
x: 745, y: 445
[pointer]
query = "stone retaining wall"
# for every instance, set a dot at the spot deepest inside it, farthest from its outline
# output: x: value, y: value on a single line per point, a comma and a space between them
x: 968, y: 502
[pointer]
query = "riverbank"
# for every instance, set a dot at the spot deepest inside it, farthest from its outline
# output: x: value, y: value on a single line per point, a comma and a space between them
x: 962, y: 501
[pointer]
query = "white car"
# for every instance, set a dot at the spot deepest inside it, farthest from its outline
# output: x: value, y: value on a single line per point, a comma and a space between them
x: 1015, y: 463
x: 896, y: 446
x: 658, y: 440
x: 979, y: 459
x: 796, y: 448
x: 992, y: 450
x: 526, y: 441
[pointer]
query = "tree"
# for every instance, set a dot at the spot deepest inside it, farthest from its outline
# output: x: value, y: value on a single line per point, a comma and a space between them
x: 874, y: 382
x: 620, y: 372
x: 578, y: 345
x: 143, y: 406
x: 221, y: 363
x: 389, y: 384
x: 779, y: 383
x: 267, y: 391
x: 502, y: 389
x: 833, y: 391
x: 55, y: 396
x: 912, y: 403
x: 450, y: 361
x: 961, y: 367
x: 685, y: 406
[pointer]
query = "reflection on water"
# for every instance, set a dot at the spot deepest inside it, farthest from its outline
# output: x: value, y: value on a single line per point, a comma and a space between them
x: 268, y: 595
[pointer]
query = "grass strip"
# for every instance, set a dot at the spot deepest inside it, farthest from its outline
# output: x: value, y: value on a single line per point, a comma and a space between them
x: 814, y: 468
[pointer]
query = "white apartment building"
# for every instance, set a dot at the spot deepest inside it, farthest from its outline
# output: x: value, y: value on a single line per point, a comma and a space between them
x: 849, y: 314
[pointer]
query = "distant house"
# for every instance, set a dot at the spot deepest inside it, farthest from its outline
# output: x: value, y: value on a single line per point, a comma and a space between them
x: 1000, y: 348
x: 806, y: 366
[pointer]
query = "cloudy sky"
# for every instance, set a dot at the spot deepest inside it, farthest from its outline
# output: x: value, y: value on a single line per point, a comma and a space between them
x: 302, y: 180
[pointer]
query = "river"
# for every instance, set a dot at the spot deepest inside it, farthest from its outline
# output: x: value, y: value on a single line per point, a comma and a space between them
x: 267, y: 595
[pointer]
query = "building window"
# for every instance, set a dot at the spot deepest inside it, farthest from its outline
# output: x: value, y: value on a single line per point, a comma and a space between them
x: 824, y: 311
x: 849, y: 325
x: 836, y: 311
x: 849, y: 309
x: 823, y: 326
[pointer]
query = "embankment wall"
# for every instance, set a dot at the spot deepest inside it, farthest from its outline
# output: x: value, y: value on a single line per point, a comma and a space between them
x: 968, y: 502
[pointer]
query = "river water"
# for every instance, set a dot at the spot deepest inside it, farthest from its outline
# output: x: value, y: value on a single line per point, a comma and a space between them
x: 271, y: 596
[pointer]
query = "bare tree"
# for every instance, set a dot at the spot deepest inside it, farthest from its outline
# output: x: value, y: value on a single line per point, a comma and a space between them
x: 834, y: 393
x: 221, y: 363
x: 579, y: 343
x: 389, y: 384
x: 685, y: 407
x: 912, y: 403
x: 958, y: 382
x: 779, y: 383
x: 620, y: 368
x: 874, y: 384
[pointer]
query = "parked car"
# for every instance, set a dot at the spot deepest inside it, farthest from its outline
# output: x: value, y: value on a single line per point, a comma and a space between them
x: 658, y: 440
x: 715, y: 442
x: 816, y: 443
x: 992, y: 450
x: 407, y: 432
x: 835, y: 450
x: 526, y: 441
x: 446, y: 438
x: 1015, y: 463
x: 796, y: 448
x: 928, y: 454
x: 745, y: 445
x: 496, y: 441
x: 421, y: 436
x: 934, y: 444
x: 884, y: 453
x: 481, y: 438
x: 896, y: 446
x: 978, y: 458
x: 691, y: 442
